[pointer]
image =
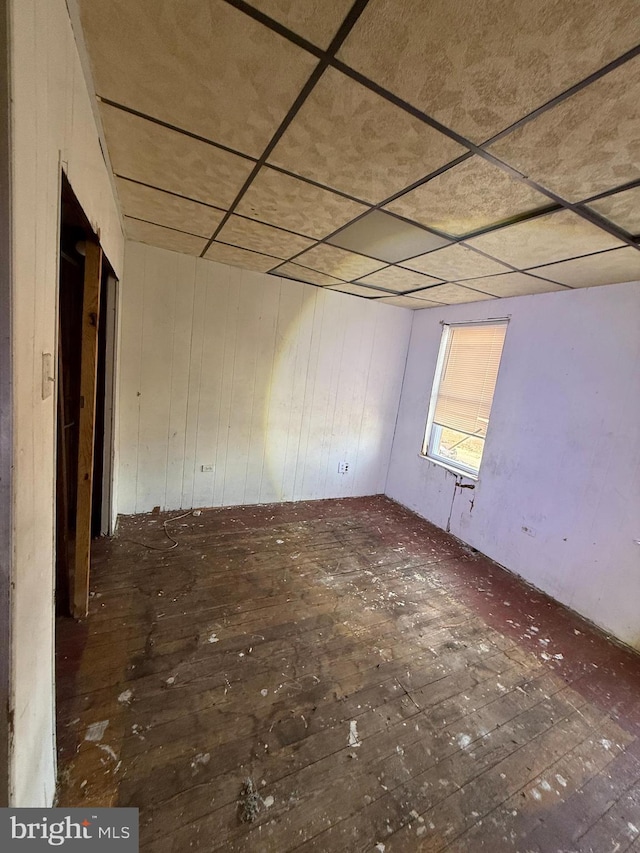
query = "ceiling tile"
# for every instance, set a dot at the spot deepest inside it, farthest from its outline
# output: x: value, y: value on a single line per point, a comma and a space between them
x: 316, y: 20
x: 253, y: 235
x: 479, y: 66
x: 338, y: 262
x: 587, y: 144
x: 395, y: 278
x: 304, y: 274
x: 155, y: 155
x: 552, y: 237
x: 356, y: 290
x: 164, y: 238
x: 346, y: 137
x: 513, y: 284
x: 407, y: 302
x: 455, y: 262
x: 622, y: 208
x: 236, y: 257
x: 593, y: 270
x: 467, y: 197
x: 204, y: 67
x: 296, y: 205
x: 169, y: 210
x: 451, y: 294
x: 386, y: 237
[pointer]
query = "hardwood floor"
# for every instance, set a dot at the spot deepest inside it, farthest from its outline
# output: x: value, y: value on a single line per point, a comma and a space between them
x: 383, y: 686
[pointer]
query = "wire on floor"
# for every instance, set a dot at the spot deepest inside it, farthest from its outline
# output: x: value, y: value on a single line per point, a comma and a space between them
x: 167, y: 534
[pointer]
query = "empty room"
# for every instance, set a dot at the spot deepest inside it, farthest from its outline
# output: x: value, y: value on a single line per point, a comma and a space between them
x: 320, y: 423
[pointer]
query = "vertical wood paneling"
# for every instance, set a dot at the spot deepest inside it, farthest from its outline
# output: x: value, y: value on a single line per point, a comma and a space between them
x: 183, y: 302
x: 271, y: 381
x: 269, y: 301
x: 155, y: 377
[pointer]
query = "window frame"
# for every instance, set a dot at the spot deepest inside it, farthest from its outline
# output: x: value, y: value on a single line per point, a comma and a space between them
x: 427, y: 452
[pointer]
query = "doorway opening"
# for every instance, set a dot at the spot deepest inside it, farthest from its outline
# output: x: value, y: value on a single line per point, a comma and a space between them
x: 84, y: 385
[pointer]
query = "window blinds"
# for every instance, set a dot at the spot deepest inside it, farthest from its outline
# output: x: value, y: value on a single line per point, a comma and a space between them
x: 470, y: 371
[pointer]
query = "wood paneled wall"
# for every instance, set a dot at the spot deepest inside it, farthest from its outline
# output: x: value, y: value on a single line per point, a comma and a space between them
x: 271, y: 382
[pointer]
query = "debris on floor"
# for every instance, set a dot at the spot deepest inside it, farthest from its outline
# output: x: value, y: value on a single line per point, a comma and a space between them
x: 249, y: 803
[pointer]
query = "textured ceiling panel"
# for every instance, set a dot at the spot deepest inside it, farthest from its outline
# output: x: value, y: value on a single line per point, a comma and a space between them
x: 470, y: 196
x: 455, y: 262
x: 357, y: 290
x: 257, y: 237
x: 479, y: 65
x: 605, y: 268
x: 296, y: 205
x: 513, y: 284
x: 164, y: 209
x: 386, y: 237
x: 408, y: 302
x: 451, y: 294
x: 202, y: 66
x: 304, y: 274
x: 346, y: 136
x: 395, y: 278
x: 164, y: 238
x: 337, y: 262
x: 155, y: 155
x: 622, y: 208
x: 587, y: 144
x: 316, y: 20
x: 553, y: 237
x: 236, y: 257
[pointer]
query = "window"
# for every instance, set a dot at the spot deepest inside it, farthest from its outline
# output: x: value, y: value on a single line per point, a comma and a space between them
x: 466, y: 374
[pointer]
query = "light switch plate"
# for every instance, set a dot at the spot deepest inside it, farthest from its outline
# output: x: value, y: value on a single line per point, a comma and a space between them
x: 47, y: 375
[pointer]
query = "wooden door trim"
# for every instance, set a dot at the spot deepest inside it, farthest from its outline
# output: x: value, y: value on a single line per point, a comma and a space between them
x: 88, y: 374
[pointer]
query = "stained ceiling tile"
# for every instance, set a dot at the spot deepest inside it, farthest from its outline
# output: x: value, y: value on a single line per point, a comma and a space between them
x: 155, y: 155
x: 407, y: 302
x: 258, y: 237
x: 451, y: 294
x: 203, y: 67
x: 236, y: 257
x: 346, y: 137
x: 169, y: 210
x: 164, y: 238
x: 316, y: 20
x: 593, y: 270
x: 513, y: 284
x: 622, y: 208
x: 356, y: 290
x: 467, y: 197
x: 386, y: 237
x: 395, y: 278
x: 479, y: 66
x: 338, y: 262
x: 553, y: 237
x: 296, y: 205
x: 587, y: 144
x: 304, y: 274
x: 455, y: 262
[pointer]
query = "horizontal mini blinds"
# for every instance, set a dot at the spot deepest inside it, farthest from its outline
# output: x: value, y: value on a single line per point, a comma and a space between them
x: 470, y: 371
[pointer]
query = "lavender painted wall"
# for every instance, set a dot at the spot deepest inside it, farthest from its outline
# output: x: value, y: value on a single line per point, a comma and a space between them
x: 562, y: 456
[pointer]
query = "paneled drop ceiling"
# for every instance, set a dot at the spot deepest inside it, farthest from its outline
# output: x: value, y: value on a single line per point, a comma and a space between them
x: 420, y: 153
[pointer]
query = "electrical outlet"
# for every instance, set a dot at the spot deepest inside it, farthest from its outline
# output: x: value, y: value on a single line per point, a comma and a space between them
x: 343, y: 467
x: 207, y: 469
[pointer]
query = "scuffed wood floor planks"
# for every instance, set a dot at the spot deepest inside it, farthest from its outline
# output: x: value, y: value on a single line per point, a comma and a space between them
x: 385, y: 688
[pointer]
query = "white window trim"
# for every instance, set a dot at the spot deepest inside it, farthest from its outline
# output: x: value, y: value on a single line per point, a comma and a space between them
x: 461, y: 470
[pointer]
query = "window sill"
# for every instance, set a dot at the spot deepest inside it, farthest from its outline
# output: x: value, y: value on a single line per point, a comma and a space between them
x: 465, y: 475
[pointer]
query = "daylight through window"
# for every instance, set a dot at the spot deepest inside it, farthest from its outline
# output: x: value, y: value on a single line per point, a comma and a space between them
x: 462, y: 394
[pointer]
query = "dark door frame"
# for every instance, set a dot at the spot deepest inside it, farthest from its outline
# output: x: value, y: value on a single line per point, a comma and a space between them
x: 6, y: 414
